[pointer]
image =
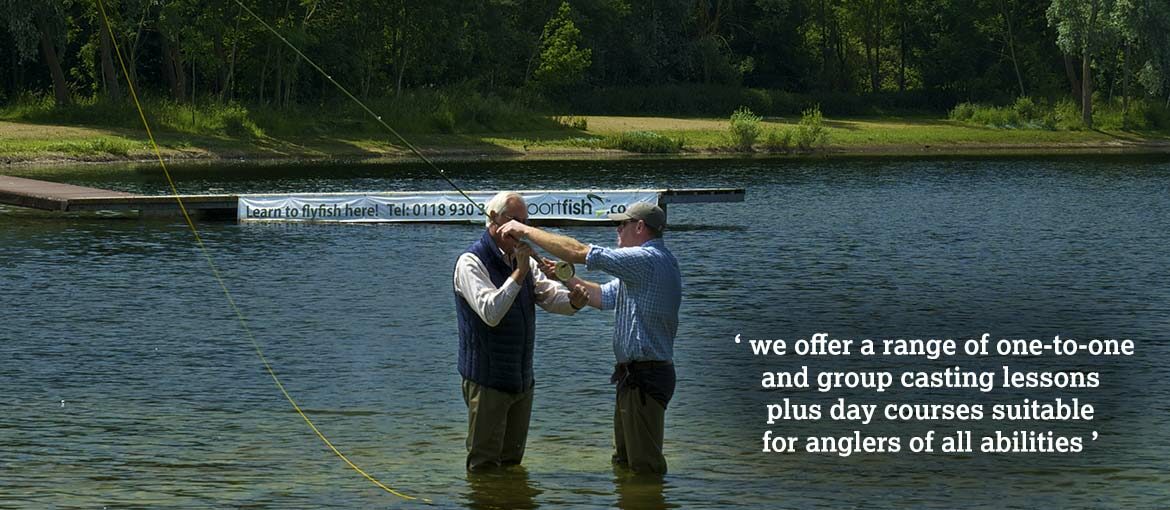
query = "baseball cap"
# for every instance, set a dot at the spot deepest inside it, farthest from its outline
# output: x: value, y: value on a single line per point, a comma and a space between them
x: 653, y: 215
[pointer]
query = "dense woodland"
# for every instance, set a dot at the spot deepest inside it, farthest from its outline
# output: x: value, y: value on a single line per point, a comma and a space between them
x: 929, y: 54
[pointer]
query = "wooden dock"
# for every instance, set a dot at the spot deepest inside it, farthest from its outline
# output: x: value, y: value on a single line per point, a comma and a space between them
x: 50, y: 196
x: 53, y: 196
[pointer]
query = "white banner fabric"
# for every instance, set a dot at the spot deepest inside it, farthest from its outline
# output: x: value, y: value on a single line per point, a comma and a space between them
x: 579, y: 205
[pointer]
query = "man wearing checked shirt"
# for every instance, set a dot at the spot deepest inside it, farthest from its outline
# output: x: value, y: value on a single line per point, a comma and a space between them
x: 645, y: 296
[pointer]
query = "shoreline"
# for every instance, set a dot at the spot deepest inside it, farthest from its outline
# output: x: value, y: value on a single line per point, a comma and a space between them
x: 26, y: 146
x: 471, y: 155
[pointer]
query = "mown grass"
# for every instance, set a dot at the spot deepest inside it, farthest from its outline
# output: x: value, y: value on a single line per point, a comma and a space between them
x: 105, y: 145
x: 465, y: 124
x: 843, y: 136
x: 709, y: 100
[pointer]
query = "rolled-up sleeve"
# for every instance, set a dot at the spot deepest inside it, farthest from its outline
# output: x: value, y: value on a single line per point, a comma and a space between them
x: 628, y: 264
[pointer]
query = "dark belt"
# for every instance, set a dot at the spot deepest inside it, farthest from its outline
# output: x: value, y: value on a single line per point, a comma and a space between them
x: 653, y: 377
x: 648, y: 363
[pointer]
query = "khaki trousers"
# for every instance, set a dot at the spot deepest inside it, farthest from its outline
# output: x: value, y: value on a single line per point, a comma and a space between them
x: 638, y: 423
x: 497, y: 425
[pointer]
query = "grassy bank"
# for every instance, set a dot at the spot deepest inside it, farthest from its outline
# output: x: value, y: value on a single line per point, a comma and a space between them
x: 453, y: 125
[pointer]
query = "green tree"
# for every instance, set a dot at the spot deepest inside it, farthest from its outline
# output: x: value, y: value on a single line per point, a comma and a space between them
x: 1156, y: 37
x: 562, y: 61
x: 869, y: 17
x: 831, y: 35
x: 43, y: 22
x: 1082, y: 26
x: 1145, y: 26
x: 776, y: 50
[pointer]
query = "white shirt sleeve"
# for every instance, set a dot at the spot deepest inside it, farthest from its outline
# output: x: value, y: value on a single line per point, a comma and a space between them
x: 475, y: 285
x: 551, y: 294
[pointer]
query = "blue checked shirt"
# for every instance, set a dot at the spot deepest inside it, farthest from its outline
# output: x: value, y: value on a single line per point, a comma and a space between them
x: 646, y: 295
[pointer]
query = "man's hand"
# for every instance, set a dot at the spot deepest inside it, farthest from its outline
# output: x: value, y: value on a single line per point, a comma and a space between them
x: 515, y: 230
x: 549, y: 268
x: 523, y: 255
x: 578, y: 296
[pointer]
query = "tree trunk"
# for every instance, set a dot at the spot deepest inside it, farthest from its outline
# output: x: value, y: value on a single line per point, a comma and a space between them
x: 529, y: 68
x: 826, y: 47
x: 229, y: 87
x: 1086, y: 70
x: 877, y: 45
x: 109, y: 76
x: 290, y: 83
x: 220, y: 78
x: 1125, y: 89
x: 277, y: 85
x: 398, y: 81
x: 1086, y: 90
x: 173, y: 66
x: 901, y: 46
x: 872, y: 41
x: 1011, y: 42
x: 264, y: 72
x: 842, y: 52
x: 1070, y: 70
x: 133, y: 54
x: 367, y: 78
x: 60, y: 88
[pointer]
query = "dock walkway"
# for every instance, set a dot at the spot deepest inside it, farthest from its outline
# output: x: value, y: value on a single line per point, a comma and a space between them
x: 53, y: 196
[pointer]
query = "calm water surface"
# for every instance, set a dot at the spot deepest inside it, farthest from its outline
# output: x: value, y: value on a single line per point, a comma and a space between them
x: 126, y: 380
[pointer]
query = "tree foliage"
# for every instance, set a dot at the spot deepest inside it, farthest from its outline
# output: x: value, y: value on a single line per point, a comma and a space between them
x: 917, y: 53
x: 562, y: 61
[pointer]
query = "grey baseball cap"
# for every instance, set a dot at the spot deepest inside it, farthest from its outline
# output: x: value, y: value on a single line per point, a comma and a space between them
x: 653, y: 215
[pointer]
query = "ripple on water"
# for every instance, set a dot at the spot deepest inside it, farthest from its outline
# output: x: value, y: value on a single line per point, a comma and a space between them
x: 167, y: 404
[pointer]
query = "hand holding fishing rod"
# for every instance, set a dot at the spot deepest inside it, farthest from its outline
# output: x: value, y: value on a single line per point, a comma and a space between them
x: 581, y: 292
x: 558, y: 270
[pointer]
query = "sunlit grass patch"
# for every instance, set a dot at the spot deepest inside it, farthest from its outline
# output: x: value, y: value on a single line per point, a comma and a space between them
x: 647, y: 142
x: 114, y: 146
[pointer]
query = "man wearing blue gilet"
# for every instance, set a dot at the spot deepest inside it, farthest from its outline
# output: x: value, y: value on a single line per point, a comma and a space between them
x: 496, y: 288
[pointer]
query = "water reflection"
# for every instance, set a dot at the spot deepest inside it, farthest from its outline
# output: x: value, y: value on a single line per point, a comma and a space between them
x: 501, y: 489
x: 639, y: 492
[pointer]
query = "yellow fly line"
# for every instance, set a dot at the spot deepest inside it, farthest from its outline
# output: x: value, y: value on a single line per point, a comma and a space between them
x: 215, y: 270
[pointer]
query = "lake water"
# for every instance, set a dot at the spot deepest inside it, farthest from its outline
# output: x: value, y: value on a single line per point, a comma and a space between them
x: 127, y: 381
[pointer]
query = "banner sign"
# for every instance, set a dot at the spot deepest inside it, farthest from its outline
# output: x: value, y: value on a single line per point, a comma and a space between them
x: 579, y: 205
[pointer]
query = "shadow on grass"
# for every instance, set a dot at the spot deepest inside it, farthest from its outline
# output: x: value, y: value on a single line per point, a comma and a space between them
x: 856, y: 123
x: 1149, y: 137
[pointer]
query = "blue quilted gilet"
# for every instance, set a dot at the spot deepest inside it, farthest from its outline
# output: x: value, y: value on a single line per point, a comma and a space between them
x: 498, y: 357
